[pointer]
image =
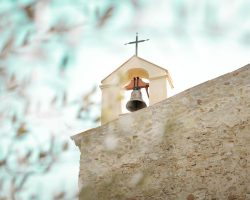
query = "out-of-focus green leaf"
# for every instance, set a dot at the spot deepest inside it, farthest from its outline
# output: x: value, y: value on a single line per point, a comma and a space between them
x: 7, y: 47
x: 13, y: 119
x: 30, y: 11
x: 65, y: 146
x: 22, y: 130
x: 64, y: 100
x: 1, y: 186
x: 64, y: 62
x: 97, y: 119
x: 27, y: 156
x: 12, y: 83
x: 87, y: 97
x: 2, y: 163
x: 59, y: 196
x: 26, y: 39
x: 2, y: 71
x: 26, y: 107
x: 53, y: 101
x: 43, y: 155
x: 79, y: 113
x: 52, y: 143
x: 135, y: 3
x: 22, y: 160
x: 33, y: 197
x: 106, y: 16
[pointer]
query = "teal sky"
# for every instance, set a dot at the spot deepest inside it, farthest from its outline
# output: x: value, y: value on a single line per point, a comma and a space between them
x: 66, y: 47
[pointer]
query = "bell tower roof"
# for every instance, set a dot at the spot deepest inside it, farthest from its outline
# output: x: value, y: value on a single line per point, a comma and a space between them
x: 150, y: 70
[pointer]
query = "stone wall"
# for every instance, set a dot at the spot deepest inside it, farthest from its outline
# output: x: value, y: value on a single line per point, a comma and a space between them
x: 195, y: 145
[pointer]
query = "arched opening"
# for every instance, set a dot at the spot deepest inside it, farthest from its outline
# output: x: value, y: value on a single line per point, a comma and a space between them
x: 142, y: 73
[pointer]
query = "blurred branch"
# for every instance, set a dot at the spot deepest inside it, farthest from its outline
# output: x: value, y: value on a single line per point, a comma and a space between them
x: 20, y: 175
x: 9, y: 48
x: 18, y: 103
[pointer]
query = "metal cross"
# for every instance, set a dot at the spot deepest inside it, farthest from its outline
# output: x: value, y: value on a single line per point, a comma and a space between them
x: 136, y: 43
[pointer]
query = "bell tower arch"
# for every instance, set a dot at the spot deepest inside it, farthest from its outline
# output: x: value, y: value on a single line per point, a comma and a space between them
x: 113, y: 85
x: 137, y: 72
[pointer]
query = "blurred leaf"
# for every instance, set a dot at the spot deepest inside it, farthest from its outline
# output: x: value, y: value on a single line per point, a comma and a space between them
x: 64, y: 62
x: 26, y: 108
x: 26, y: 39
x: 61, y: 28
x: 65, y: 146
x: 2, y: 163
x: 86, y: 103
x: 52, y: 142
x: 12, y: 84
x: 64, y: 100
x: 53, y: 101
x: 38, y: 106
x: 23, y: 181
x: 87, y: 97
x: 59, y: 196
x: 22, y: 160
x: 29, y: 11
x: 79, y: 113
x: 2, y: 71
x: 104, y: 18
x: 22, y: 130
x: 12, y: 87
x: 27, y: 156
x: 13, y: 119
x: 33, y: 197
x: 245, y: 38
x: 1, y: 186
x: 48, y: 166
x: 135, y: 3
x: 42, y: 155
x: 97, y: 119
x: 7, y: 46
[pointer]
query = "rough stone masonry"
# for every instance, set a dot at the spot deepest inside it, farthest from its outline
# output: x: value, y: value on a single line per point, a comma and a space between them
x: 195, y: 145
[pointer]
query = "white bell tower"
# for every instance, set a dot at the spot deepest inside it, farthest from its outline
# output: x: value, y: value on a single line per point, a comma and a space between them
x: 113, y: 86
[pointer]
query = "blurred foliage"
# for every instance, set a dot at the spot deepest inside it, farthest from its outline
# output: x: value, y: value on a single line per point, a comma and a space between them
x: 39, y: 41
x: 35, y: 57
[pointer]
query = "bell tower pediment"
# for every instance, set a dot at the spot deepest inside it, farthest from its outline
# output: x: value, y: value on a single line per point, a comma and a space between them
x: 137, y: 65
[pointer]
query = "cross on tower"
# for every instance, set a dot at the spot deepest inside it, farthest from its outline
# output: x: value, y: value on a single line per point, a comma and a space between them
x: 136, y: 43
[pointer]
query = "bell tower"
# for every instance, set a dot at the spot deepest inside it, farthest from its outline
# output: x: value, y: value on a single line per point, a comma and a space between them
x: 129, y: 77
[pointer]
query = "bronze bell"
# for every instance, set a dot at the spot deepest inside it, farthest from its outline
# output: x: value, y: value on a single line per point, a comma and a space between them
x: 136, y: 102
